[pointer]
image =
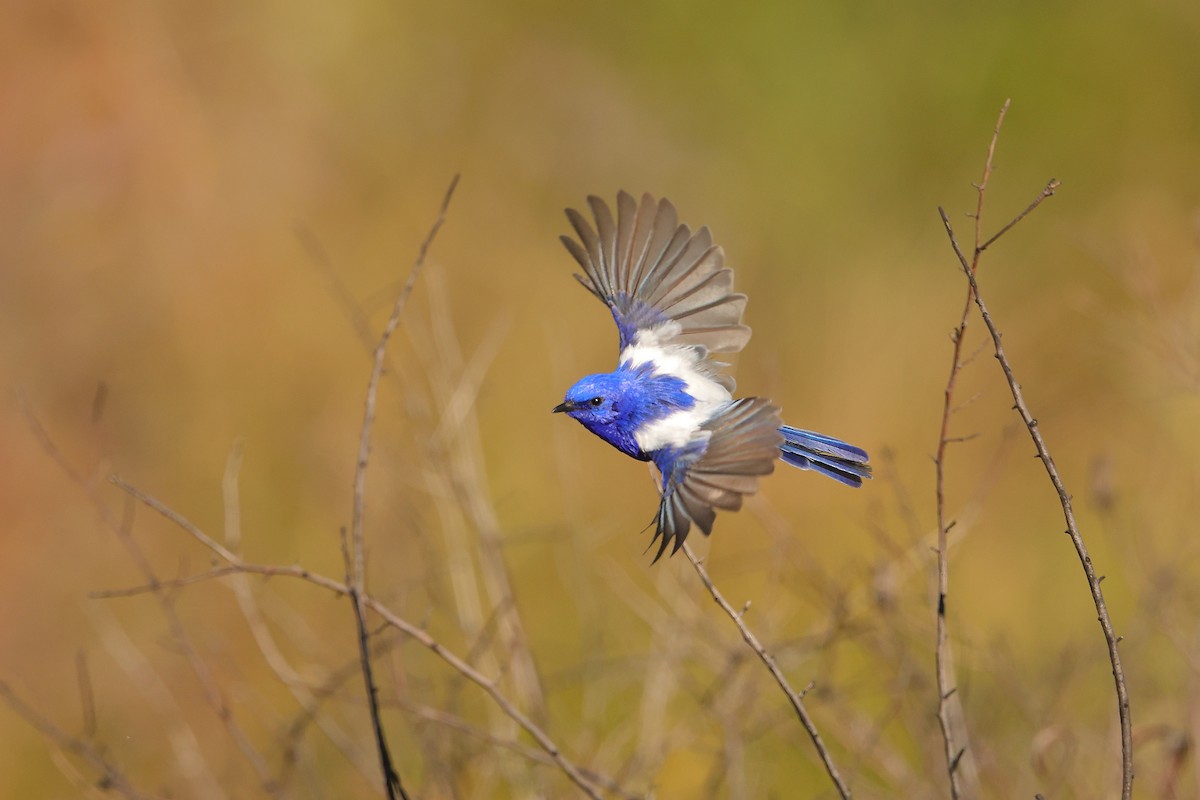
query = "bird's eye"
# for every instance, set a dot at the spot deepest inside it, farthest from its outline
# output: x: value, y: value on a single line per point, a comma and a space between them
x: 596, y: 401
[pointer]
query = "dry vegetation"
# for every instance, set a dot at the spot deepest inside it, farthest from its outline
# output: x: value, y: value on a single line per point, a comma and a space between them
x: 225, y: 490
x: 477, y: 716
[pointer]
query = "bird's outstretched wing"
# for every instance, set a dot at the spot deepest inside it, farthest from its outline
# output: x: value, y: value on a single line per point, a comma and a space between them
x: 657, y: 276
x: 742, y: 444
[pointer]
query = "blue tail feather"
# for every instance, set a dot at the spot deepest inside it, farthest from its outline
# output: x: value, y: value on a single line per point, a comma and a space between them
x: 824, y: 454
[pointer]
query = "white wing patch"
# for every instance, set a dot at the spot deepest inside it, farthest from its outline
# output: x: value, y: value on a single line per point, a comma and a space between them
x: 678, y: 361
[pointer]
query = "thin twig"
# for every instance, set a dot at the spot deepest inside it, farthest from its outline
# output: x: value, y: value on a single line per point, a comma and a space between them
x: 489, y: 686
x: 390, y: 617
x: 391, y: 777
x: 1051, y: 186
x: 357, y: 577
x: 793, y: 696
x: 364, y: 440
x: 1064, y: 498
x: 318, y: 696
x: 950, y: 713
x: 524, y: 750
x: 176, y: 583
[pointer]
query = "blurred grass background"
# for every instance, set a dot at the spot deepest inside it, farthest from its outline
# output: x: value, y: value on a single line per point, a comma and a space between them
x: 156, y: 162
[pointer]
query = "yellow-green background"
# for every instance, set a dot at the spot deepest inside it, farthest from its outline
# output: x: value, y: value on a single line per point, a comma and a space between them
x: 156, y: 161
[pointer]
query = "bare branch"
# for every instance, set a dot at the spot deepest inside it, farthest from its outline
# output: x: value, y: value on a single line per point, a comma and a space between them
x: 357, y: 566
x: 153, y: 503
x: 364, y: 441
x: 1049, y: 190
x: 525, y: 751
x: 981, y: 187
x: 188, y: 580
x: 489, y: 686
x: 1031, y: 424
x: 950, y: 713
x: 794, y: 697
x: 391, y: 777
x: 391, y: 618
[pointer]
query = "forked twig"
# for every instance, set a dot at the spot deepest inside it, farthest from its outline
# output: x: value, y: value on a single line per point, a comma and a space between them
x: 357, y: 565
x: 419, y: 634
x: 794, y: 697
x: 533, y: 754
x: 364, y: 440
x: 1064, y: 497
x: 950, y: 713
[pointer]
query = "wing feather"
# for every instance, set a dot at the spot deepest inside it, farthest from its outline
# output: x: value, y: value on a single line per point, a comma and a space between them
x: 651, y: 270
x: 741, y: 445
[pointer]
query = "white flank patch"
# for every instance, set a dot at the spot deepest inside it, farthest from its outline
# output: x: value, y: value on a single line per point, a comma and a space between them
x: 678, y: 361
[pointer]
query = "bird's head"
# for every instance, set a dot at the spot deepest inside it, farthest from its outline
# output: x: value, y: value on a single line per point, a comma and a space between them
x: 607, y: 406
x: 616, y: 405
x: 593, y: 400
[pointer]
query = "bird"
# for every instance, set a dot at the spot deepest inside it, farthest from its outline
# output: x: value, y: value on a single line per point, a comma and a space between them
x: 668, y: 401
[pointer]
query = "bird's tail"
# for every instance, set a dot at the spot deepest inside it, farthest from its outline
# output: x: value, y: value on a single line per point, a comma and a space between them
x: 833, y: 457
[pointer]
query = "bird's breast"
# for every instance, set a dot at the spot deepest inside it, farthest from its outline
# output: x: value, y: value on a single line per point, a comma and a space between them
x: 676, y: 430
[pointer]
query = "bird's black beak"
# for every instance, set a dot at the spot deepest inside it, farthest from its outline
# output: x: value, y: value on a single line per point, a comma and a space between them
x: 565, y: 405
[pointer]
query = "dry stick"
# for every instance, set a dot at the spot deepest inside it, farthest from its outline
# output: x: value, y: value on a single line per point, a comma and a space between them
x: 235, y: 565
x: 320, y: 694
x: 949, y: 703
x: 796, y: 698
x: 533, y: 754
x: 357, y: 578
x: 489, y: 686
x: 390, y: 776
x: 364, y: 441
x: 342, y: 674
x: 1064, y: 499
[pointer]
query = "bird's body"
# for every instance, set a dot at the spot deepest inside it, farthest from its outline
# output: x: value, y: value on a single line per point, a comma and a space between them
x: 666, y: 401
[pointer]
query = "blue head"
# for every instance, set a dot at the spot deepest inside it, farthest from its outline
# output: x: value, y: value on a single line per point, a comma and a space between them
x: 615, y: 405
